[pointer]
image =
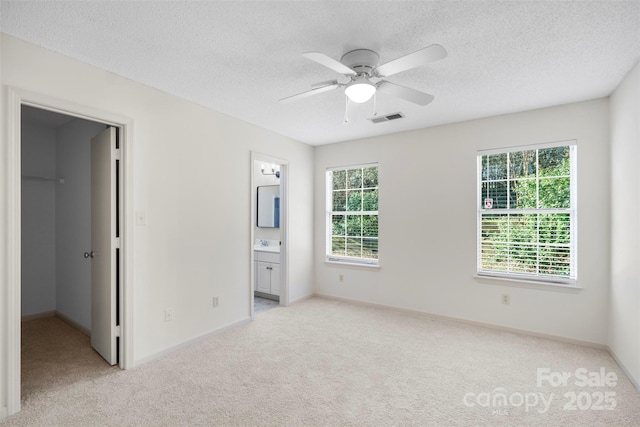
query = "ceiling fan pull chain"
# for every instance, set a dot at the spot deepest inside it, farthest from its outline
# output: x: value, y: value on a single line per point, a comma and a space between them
x: 346, y: 109
x: 375, y: 103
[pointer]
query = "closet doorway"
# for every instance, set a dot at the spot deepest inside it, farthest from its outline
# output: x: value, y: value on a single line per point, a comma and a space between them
x: 70, y: 253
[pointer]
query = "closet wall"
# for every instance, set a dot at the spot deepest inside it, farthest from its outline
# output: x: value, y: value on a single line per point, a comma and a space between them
x: 38, y: 219
x: 73, y: 219
x: 56, y: 229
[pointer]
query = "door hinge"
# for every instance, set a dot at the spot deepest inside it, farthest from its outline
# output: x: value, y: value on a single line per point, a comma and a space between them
x: 118, y: 154
x: 117, y: 243
x: 118, y: 331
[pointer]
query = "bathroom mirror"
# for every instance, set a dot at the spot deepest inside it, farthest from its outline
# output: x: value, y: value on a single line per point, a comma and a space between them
x: 269, y: 206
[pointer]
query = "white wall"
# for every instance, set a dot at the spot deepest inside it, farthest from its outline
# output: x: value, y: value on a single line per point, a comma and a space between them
x: 73, y: 219
x: 191, y: 175
x: 427, y: 223
x: 624, y: 318
x: 38, y: 220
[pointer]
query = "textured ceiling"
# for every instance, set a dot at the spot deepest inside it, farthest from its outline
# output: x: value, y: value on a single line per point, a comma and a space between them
x: 240, y: 57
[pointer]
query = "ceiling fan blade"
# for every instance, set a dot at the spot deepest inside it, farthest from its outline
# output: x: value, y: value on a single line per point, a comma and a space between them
x: 405, y: 93
x: 311, y: 92
x: 323, y: 84
x: 329, y: 62
x: 412, y: 60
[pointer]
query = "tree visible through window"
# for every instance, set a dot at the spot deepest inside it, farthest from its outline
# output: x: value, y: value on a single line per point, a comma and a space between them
x: 526, y: 213
x: 352, y: 215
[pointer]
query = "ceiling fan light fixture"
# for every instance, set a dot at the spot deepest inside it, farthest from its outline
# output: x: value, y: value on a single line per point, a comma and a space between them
x: 360, y: 89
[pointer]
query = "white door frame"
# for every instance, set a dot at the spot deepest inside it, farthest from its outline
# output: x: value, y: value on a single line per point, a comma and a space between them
x: 16, y: 99
x: 284, y: 226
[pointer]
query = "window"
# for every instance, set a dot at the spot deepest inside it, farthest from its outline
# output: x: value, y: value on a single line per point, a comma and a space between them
x: 527, y: 213
x: 352, y: 215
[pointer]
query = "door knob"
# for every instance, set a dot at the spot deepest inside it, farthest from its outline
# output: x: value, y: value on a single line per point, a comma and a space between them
x: 89, y: 254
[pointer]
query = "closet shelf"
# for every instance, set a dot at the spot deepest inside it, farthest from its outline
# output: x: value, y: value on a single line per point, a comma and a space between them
x: 42, y: 179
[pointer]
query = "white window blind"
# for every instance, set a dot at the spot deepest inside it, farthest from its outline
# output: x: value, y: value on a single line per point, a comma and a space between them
x: 352, y: 214
x: 527, y: 212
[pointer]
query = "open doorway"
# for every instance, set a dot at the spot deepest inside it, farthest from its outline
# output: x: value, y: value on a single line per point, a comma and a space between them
x: 269, y: 220
x: 11, y: 328
x: 62, y: 180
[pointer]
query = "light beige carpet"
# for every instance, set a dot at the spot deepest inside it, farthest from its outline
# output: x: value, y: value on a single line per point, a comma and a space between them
x: 323, y: 362
x: 56, y: 356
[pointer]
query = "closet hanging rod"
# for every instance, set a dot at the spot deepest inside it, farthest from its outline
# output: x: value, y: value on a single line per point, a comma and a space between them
x: 43, y: 179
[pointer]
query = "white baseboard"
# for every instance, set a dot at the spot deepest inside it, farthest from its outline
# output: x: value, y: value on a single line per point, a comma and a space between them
x: 191, y: 341
x: 469, y: 322
x: 41, y: 315
x: 61, y: 316
x: 633, y: 381
x: 66, y: 319
x: 306, y: 297
x: 3, y: 412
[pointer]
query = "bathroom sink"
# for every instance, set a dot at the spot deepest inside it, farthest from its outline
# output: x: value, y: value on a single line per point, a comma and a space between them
x: 274, y: 249
x: 272, y: 246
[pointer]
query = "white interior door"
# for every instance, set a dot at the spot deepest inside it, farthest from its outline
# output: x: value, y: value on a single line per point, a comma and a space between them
x: 103, y: 245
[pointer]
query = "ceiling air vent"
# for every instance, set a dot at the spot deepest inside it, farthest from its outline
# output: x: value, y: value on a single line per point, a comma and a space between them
x: 388, y: 117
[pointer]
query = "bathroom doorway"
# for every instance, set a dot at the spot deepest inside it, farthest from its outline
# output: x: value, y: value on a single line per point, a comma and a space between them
x: 269, y: 221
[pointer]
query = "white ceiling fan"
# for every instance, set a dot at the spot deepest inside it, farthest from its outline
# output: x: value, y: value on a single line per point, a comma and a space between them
x: 366, y: 77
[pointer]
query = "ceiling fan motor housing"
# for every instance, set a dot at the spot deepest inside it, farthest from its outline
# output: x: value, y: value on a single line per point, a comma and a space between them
x: 362, y: 61
x: 360, y: 67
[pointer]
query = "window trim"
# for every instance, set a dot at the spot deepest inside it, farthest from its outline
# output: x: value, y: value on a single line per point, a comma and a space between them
x: 526, y: 283
x: 339, y: 259
x: 534, y: 279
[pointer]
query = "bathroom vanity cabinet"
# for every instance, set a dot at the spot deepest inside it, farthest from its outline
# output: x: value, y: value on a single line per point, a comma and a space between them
x: 267, y: 272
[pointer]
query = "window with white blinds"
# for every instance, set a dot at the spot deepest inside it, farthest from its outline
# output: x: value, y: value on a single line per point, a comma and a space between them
x: 352, y: 214
x: 527, y: 213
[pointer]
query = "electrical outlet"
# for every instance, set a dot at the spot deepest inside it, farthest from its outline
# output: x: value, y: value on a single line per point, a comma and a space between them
x: 506, y: 299
x: 168, y: 314
x: 215, y: 302
x: 341, y: 278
